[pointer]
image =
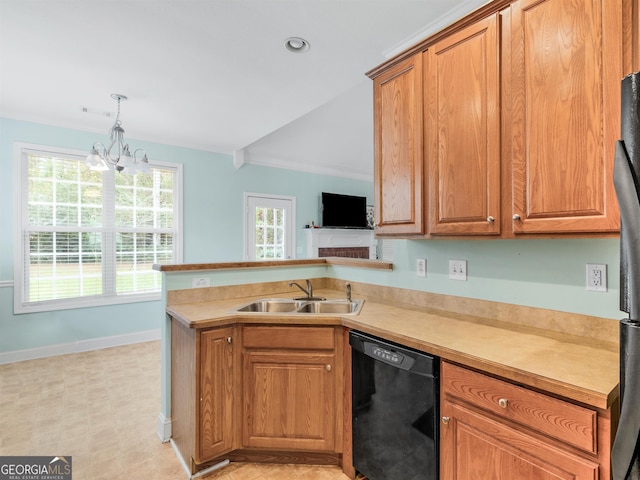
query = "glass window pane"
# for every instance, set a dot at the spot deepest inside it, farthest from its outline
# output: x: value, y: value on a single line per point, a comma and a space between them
x: 40, y: 215
x: 40, y: 190
x: 67, y: 192
x: 144, y: 218
x: 66, y: 261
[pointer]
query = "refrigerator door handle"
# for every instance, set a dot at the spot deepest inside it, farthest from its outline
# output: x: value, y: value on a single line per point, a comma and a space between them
x: 624, y: 454
x: 627, y: 193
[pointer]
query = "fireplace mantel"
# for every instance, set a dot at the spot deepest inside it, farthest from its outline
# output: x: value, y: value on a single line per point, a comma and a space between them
x: 339, y: 242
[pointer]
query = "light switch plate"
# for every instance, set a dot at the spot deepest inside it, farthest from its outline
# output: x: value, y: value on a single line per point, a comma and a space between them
x: 457, y: 269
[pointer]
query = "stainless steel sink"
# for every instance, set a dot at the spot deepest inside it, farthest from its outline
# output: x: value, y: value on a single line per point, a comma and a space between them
x: 331, y: 306
x: 276, y: 305
x: 307, y: 307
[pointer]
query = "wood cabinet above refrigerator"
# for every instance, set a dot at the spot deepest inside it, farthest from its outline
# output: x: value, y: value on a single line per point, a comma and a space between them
x: 520, y: 114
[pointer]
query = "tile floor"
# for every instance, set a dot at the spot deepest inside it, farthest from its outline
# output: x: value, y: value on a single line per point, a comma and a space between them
x: 100, y: 407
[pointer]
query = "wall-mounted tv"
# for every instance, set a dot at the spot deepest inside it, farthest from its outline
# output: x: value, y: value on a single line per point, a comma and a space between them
x: 343, y: 211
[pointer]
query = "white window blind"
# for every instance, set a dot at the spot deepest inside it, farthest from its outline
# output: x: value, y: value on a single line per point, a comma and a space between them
x: 91, y: 238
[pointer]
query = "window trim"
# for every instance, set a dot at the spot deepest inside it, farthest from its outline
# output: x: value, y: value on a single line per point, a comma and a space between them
x: 21, y: 216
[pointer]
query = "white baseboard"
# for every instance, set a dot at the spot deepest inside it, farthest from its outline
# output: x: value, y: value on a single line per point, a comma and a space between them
x: 163, y: 428
x: 186, y: 469
x: 79, y: 346
x: 201, y: 473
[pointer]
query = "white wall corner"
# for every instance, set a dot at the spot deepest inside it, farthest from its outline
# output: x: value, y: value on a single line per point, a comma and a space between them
x: 164, y: 428
x: 238, y: 158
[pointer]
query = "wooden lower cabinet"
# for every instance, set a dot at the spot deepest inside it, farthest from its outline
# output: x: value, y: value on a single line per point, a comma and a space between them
x: 292, y: 378
x: 477, y: 447
x: 257, y: 393
x: 492, y: 429
x: 203, y: 376
x: 216, y: 422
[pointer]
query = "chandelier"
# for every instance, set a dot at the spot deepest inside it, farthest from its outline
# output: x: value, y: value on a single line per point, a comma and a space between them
x: 117, y: 155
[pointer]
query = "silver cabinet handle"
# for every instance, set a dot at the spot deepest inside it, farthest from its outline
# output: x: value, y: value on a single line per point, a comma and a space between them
x: 229, y: 339
x: 503, y: 402
x: 490, y: 219
x: 446, y: 420
x: 516, y: 217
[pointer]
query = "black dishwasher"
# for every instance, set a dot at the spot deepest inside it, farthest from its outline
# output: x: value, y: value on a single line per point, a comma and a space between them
x: 395, y: 392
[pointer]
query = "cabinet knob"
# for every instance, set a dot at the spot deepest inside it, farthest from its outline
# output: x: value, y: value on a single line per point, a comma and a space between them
x: 229, y: 339
x: 490, y: 219
x: 503, y: 402
x: 516, y: 217
x: 328, y: 368
x: 445, y: 420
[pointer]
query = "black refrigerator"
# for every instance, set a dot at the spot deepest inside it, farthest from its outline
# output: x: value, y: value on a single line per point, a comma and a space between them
x: 625, y: 455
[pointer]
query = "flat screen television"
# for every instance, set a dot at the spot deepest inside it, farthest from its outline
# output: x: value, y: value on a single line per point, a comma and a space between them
x: 343, y: 211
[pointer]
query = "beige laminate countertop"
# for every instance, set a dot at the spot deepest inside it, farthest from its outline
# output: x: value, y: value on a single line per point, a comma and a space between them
x: 580, y: 369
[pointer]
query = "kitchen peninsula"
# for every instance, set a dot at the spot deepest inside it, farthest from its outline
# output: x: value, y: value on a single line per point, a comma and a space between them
x: 541, y: 379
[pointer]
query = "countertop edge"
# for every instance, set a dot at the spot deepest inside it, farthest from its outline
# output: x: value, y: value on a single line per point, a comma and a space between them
x: 224, y: 317
x: 338, y: 261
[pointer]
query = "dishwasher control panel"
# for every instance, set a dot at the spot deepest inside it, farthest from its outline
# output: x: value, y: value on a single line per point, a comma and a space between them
x: 391, y: 357
x: 398, y: 356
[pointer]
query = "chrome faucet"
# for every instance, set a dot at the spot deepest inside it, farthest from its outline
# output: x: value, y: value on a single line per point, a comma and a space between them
x: 348, y: 288
x: 308, y: 291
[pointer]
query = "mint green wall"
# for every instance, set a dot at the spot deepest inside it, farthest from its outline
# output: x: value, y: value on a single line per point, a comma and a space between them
x: 213, y: 196
x: 545, y: 273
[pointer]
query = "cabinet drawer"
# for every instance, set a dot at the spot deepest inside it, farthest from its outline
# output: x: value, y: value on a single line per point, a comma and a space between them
x: 301, y: 338
x: 556, y: 418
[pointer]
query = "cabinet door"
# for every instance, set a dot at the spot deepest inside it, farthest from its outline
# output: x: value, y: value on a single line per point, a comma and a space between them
x: 398, y: 149
x: 289, y: 400
x: 463, y: 131
x: 474, y: 447
x: 216, y: 425
x: 566, y: 72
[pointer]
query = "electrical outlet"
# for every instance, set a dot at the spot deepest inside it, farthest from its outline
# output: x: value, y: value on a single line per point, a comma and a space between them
x: 597, y: 277
x: 200, y: 282
x: 421, y: 267
x: 457, y: 269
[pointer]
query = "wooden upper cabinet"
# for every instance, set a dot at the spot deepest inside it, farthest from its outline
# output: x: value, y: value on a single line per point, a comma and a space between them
x: 398, y: 149
x: 462, y: 131
x: 565, y: 85
x: 506, y: 122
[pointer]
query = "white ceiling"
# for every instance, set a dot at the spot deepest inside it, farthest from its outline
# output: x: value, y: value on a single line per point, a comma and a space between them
x: 213, y: 74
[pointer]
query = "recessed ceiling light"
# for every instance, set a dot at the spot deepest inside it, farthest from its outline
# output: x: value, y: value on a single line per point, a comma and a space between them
x: 296, y: 44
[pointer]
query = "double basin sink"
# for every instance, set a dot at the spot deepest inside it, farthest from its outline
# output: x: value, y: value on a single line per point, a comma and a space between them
x: 312, y: 305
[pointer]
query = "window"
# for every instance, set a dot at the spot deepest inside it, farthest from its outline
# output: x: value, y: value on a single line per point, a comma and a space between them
x: 269, y: 226
x: 91, y: 238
